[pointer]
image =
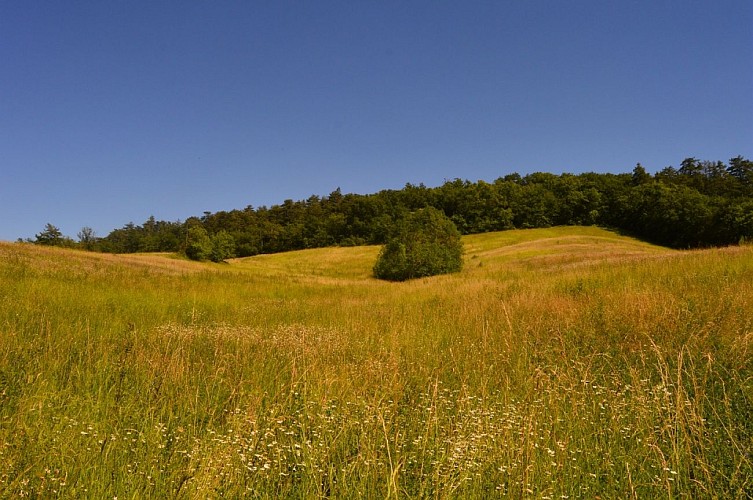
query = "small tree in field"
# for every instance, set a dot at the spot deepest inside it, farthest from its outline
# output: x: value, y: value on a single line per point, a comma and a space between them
x: 199, y: 245
x: 425, y: 243
x: 223, y: 246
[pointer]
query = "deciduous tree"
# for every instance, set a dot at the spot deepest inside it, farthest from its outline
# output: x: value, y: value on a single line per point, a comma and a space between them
x: 425, y: 243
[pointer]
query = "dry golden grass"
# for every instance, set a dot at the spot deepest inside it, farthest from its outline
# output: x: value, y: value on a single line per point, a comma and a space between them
x: 567, y: 362
x: 43, y: 259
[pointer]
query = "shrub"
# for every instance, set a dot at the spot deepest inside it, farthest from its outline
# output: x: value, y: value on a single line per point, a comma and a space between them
x: 425, y: 243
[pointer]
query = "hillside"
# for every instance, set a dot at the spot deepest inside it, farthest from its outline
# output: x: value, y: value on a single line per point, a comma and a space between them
x: 500, y: 250
x: 567, y: 361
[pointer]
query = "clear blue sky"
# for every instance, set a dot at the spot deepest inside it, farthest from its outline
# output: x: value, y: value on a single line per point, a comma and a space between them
x: 113, y: 111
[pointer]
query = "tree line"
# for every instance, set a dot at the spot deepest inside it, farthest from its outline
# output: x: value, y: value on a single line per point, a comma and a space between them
x: 700, y: 203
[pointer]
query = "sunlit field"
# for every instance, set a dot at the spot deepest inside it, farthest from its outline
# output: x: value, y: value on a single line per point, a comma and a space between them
x: 560, y: 363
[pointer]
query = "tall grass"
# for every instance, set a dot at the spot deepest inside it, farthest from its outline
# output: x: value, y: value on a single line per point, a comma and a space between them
x: 561, y: 363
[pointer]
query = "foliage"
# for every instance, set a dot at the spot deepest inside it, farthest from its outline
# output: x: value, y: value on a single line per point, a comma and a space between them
x: 223, y: 246
x: 701, y: 203
x: 52, y: 236
x: 198, y: 244
x: 201, y: 246
x: 425, y: 243
x: 87, y: 238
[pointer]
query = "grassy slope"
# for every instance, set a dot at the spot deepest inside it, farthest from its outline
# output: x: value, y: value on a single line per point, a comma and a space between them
x: 565, y: 361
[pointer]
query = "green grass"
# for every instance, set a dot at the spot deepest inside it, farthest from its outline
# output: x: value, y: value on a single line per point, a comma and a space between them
x: 566, y: 362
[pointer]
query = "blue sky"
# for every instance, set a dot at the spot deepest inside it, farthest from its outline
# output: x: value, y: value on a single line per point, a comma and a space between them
x: 114, y: 111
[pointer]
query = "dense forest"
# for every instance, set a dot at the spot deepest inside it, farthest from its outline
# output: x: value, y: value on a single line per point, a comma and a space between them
x: 701, y: 203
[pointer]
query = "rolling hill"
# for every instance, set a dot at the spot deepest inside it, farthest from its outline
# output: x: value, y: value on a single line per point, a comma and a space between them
x: 569, y: 361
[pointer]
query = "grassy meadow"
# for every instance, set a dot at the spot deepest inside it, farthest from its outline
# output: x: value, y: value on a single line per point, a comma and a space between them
x: 560, y: 363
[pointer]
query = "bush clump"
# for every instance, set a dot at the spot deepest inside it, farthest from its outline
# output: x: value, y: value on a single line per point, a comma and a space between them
x: 201, y: 246
x: 424, y: 243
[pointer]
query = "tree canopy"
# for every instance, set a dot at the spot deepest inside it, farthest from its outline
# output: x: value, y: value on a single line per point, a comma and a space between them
x: 701, y: 203
x: 52, y: 236
x: 424, y: 243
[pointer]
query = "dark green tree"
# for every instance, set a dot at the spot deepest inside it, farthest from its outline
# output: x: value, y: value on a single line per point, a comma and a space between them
x: 198, y: 244
x: 51, y: 236
x: 640, y: 176
x: 741, y: 169
x: 691, y: 167
x: 223, y: 246
x: 424, y: 243
x: 86, y: 237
